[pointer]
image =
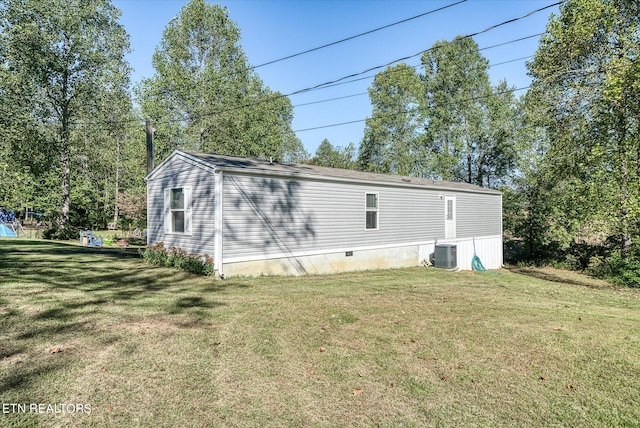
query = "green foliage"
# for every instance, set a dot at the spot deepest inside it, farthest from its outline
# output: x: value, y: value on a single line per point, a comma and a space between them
x: 447, y: 123
x: 391, y: 134
x: 618, y: 267
x: 62, y: 233
x: 62, y: 66
x: 204, y: 96
x: 178, y: 258
x: 155, y: 254
x: 469, y: 124
x: 577, y: 199
x: 335, y: 157
x: 585, y: 94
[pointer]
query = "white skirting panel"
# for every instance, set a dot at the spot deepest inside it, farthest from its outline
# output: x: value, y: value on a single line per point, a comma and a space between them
x: 487, y: 248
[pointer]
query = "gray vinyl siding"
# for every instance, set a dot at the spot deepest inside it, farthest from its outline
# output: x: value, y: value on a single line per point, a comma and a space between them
x: 478, y: 215
x: 175, y: 174
x: 266, y: 216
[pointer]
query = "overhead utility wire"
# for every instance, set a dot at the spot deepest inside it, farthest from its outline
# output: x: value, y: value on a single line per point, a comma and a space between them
x: 336, y: 81
x: 403, y: 112
x: 418, y: 65
x: 366, y: 93
x: 347, y: 39
x: 358, y: 35
x: 341, y: 79
x: 493, y: 27
x: 555, y: 75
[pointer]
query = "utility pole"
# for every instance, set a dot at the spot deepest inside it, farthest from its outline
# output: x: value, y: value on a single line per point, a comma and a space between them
x: 150, y: 150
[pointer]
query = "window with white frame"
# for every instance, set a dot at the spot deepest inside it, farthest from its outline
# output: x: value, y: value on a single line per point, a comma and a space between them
x: 371, y: 211
x: 177, y: 210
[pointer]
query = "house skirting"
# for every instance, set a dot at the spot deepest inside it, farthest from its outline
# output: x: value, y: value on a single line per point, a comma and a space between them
x: 488, y: 248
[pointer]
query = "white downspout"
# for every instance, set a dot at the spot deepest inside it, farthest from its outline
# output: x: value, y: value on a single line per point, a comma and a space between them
x: 218, y: 199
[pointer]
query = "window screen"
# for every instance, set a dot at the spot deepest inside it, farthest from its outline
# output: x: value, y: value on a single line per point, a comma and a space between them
x: 371, y: 218
x: 177, y: 210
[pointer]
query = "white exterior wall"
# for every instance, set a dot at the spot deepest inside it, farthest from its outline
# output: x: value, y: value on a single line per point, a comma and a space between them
x: 178, y: 173
x: 256, y: 223
x: 488, y: 248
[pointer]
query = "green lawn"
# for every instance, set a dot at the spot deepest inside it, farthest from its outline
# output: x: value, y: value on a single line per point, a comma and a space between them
x: 147, y: 346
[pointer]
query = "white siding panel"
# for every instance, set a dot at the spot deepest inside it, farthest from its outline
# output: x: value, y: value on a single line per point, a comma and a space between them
x: 487, y: 248
x: 174, y: 174
x: 270, y: 215
x: 478, y: 215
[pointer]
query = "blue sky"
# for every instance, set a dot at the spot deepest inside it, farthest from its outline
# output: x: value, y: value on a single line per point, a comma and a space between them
x: 273, y: 29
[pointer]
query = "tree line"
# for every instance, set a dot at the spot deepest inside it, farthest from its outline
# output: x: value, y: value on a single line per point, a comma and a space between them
x: 565, y: 153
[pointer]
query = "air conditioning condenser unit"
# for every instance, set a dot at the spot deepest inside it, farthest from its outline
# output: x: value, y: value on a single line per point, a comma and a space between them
x: 445, y: 256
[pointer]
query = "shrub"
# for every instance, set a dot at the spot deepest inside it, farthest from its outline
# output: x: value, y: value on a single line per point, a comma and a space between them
x: 208, y: 265
x: 155, y: 254
x: 65, y: 233
x: 623, y: 270
x: 178, y: 258
x: 617, y: 268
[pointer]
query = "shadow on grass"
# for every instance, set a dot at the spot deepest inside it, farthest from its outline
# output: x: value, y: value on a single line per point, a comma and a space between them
x: 559, y: 277
x: 64, y: 249
x: 27, y: 376
x: 53, y: 292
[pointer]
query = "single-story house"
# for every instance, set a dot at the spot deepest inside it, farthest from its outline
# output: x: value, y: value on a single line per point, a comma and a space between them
x: 261, y: 217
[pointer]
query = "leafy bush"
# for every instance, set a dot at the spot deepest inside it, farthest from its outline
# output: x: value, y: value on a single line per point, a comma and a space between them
x: 65, y: 233
x: 617, y: 268
x: 155, y: 254
x: 208, y: 265
x: 178, y: 258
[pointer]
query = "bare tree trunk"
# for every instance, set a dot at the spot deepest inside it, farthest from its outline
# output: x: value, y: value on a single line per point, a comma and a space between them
x: 625, y: 232
x: 66, y: 175
x: 117, y: 192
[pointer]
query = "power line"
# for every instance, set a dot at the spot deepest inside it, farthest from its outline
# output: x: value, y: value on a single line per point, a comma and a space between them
x: 418, y: 65
x: 341, y: 79
x: 331, y: 99
x: 358, y: 35
x: 336, y: 81
x: 346, y: 39
x: 333, y: 125
x: 511, y: 60
x: 589, y: 70
x: 493, y: 27
x: 369, y: 77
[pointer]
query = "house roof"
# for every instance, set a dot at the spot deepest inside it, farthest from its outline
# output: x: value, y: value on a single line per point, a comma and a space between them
x: 265, y: 167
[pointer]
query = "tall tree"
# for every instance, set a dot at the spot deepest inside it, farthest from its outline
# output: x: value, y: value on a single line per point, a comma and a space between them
x: 585, y: 78
x: 64, y: 56
x: 205, y: 96
x: 449, y: 123
x: 392, y: 132
x: 335, y: 157
x: 469, y: 124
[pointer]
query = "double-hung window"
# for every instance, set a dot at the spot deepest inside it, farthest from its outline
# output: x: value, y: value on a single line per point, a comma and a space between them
x: 371, y: 216
x: 177, y: 204
x: 177, y: 210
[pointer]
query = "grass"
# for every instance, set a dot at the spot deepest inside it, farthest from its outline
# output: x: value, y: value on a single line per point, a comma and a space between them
x: 147, y: 346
